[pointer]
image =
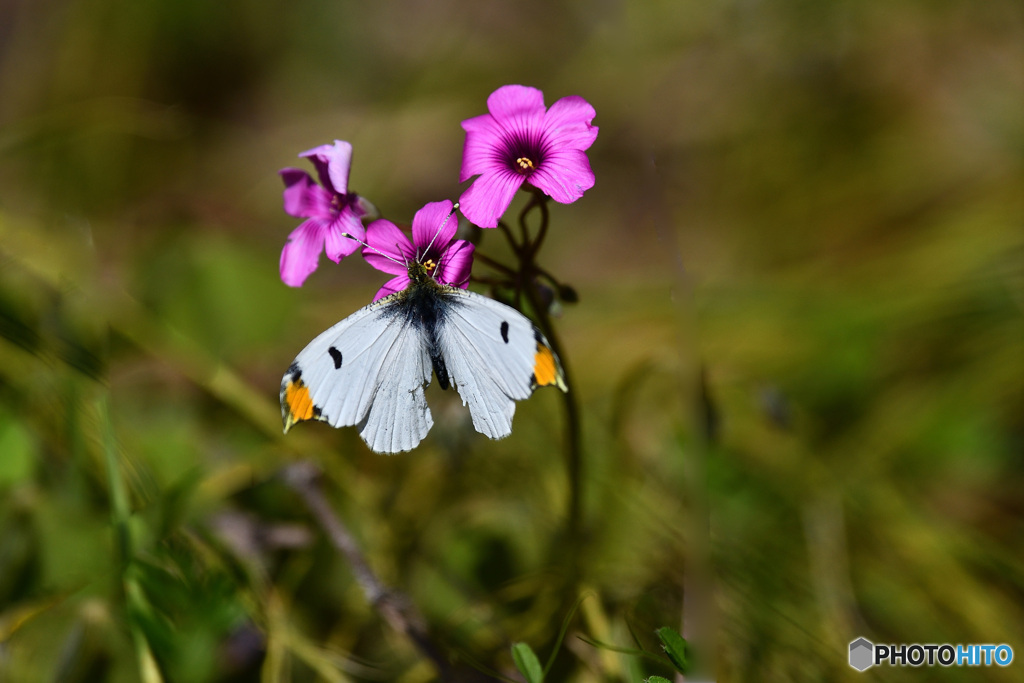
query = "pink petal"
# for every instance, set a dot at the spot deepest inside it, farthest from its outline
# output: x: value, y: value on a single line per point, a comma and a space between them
x: 432, y: 224
x: 303, y: 198
x: 486, y: 200
x: 567, y: 124
x: 519, y: 112
x: 389, y: 248
x: 336, y: 245
x: 516, y: 114
x: 564, y: 176
x: 481, y: 152
x: 454, y: 266
x: 514, y: 101
x: 302, y: 252
x: 478, y: 123
x: 332, y: 163
x: 395, y: 284
x: 363, y: 207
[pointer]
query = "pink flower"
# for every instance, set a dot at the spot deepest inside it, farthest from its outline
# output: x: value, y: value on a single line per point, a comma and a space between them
x: 433, y: 227
x: 521, y: 142
x: 330, y: 211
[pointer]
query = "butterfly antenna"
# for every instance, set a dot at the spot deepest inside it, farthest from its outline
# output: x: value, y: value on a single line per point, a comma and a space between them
x: 367, y: 246
x: 455, y: 207
x: 405, y: 261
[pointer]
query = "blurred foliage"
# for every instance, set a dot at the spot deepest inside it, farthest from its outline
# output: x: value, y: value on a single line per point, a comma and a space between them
x: 800, y: 289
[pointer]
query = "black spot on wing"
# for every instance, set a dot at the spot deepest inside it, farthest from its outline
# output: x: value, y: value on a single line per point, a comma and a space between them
x: 291, y: 376
x: 336, y: 355
x: 504, y: 331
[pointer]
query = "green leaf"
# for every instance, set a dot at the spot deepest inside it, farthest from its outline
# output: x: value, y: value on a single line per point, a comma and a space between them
x: 527, y: 663
x: 675, y: 647
x: 17, y: 452
x: 657, y: 679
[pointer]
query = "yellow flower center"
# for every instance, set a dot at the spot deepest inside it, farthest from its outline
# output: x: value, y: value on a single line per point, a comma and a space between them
x: 429, y: 265
x: 526, y: 164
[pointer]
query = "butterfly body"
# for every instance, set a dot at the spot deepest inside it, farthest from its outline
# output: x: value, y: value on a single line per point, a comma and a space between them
x: 422, y: 305
x: 371, y: 369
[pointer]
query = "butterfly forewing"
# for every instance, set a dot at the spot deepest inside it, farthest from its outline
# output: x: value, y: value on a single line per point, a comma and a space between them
x: 351, y: 374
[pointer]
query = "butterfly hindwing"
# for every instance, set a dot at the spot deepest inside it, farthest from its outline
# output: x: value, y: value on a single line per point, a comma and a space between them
x: 368, y: 370
x: 494, y: 356
x: 398, y: 417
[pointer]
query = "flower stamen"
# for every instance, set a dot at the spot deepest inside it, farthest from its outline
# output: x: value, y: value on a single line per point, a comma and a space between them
x: 525, y: 164
x: 429, y: 264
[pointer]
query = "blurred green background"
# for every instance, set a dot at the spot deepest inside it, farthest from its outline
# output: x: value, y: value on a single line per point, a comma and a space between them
x: 801, y: 280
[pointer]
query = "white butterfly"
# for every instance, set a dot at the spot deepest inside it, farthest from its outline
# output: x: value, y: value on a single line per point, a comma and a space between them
x: 371, y: 369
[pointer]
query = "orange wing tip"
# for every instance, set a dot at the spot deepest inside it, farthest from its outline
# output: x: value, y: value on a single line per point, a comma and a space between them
x: 296, y: 403
x: 547, y: 370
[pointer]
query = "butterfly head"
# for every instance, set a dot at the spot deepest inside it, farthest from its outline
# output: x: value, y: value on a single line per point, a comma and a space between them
x: 421, y: 271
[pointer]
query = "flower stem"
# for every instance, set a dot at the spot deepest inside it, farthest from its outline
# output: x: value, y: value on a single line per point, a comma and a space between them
x: 528, y: 273
x: 542, y: 231
x: 492, y: 263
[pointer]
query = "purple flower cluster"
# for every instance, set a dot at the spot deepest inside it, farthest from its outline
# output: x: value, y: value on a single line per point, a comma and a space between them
x: 518, y: 141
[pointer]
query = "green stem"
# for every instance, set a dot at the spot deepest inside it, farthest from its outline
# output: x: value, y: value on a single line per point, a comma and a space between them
x: 491, y: 263
x: 518, y: 251
x: 528, y: 272
x: 573, y: 451
x: 522, y: 217
x: 508, y: 235
x: 548, y: 276
x: 542, y: 232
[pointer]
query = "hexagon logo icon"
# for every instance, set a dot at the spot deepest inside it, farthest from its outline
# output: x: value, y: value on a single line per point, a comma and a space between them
x: 862, y: 654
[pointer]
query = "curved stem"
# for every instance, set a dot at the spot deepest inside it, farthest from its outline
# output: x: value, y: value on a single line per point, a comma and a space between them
x: 518, y: 281
x: 492, y: 263
x: 548, y: 276
x: 490, y: 281
x: 542, y: 232
x: 516, y: 248
x: 522, y: 219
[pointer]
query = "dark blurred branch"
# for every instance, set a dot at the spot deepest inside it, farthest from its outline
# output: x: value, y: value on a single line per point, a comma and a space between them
x: 395, y: 607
